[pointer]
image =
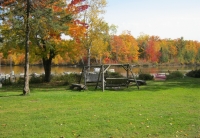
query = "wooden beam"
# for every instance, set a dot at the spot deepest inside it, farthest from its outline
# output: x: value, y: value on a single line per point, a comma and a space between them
x: 103, y: 87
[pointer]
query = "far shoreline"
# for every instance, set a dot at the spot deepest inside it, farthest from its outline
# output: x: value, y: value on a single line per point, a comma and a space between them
x: 132, y: 64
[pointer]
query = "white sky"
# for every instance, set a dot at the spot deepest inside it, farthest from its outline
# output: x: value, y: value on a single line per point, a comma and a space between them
x: 164, y: 18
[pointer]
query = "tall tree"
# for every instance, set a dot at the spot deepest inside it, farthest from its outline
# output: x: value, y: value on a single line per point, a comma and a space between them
x: 124, y: 48
x: 142, y: 41
x: 116, y: 44
x: 172, y: 51
x: 164, y: 44
x: 131, y: 46
x: 153, y: 49
x: 13, y: 13
x: 96, y: 26
x: 180, y: 46
x: 197, y: 52
x: 190, y: 52
x: 198, y: 56
x: 100, y: 43
x: 48, y: 20
x: 26, y: 89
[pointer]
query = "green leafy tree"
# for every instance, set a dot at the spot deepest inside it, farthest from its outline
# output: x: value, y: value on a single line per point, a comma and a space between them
x: 142, y: 44
x: 164, y: 55
x: 99, y: 47
x: 96, y: 28
x: 180, y: 46
x: 13, y: 13
x: 190, y: 51
x: 198, y: 56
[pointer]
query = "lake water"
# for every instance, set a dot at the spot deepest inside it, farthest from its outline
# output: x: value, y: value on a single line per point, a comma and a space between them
x: 62, y: 69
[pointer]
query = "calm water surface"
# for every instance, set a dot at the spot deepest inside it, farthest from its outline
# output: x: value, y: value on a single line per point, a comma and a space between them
x: 62, y: 69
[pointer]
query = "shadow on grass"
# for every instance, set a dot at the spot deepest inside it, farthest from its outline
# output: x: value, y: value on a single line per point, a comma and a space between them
x: 34, y: 86
x: 11, y: 95
x: 170, y: 84
x: 151, y: 86
x: 154, y: 86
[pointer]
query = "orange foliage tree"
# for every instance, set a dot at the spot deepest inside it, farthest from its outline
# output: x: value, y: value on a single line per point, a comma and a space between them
x: 48, y: 20
x: 124, y: 48
x: 153, y: 49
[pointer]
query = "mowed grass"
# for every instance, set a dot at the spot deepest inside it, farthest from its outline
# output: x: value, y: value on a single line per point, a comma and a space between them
x: 161, y: 109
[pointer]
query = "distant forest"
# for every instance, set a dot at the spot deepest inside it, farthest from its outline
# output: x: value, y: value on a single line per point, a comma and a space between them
x: 125, y: 48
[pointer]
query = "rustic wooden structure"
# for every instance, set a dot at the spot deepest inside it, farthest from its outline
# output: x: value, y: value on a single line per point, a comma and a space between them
x: 101, y: 82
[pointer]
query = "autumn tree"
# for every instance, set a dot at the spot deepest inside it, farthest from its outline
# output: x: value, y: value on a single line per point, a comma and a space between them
x: 164, y: 51
x: 153, y: 49
x: 142, y: 41
x: 14, y: 12
x: 124, y: 48
x: 180, y: 46
x: 191, y: 51
x: 48, y: 20
x: 49, y: 29
x: 116, y: 43
x: 96, y: 28
x: 168, y: 51
x: 131, y: 46
x: 172, y: 51
x: 198, y: 56
x: 197, y: 52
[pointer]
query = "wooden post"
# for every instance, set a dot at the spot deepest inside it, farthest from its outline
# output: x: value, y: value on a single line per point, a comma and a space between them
x: 89, y: 55
x: 99, y: 75
x: 127, y: 70
x: 85, y: 75
x: 82, y: 75
x: 102, y: 68
x: 134, y: 77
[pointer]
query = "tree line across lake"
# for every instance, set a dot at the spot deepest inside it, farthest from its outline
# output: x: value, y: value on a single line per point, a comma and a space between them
x: 125, y: 48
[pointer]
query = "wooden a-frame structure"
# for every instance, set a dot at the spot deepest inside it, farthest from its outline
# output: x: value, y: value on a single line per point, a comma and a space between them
x: 102, y: 71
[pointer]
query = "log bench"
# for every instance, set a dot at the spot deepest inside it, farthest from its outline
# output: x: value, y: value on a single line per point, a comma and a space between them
x: 78, y: 86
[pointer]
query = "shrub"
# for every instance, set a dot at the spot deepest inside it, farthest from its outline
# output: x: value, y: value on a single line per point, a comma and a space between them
x: 145, y: 77
x: 67, y: 78
x: 36, y: 79
x: 175, y: 74
x: 194, y: 73
x: 6, y: 82
x: 20, y: 80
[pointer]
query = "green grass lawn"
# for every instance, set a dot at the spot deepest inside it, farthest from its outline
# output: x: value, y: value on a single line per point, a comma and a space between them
x: 165, y: 109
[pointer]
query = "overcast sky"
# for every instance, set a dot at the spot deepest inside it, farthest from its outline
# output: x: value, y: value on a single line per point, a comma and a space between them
x: 164, y: 18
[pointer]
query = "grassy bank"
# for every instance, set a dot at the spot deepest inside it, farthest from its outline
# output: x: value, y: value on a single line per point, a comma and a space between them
x: 160, y: 109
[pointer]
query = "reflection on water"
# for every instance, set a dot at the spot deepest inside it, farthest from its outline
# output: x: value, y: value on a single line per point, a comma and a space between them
x: 38, y: 69
x: 61, y: 69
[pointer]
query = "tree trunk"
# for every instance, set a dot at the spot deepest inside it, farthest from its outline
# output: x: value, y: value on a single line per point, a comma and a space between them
x: 47, y: 69
x: 26, y: 89
x: 89, y: 55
